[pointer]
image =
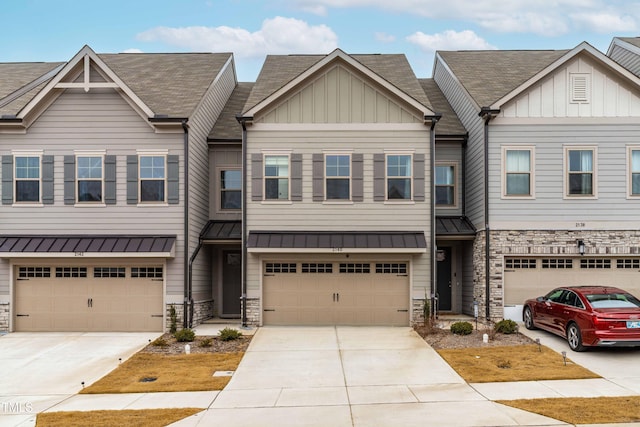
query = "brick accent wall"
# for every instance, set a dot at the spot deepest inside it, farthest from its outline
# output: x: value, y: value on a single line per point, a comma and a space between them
x: 4, y: 317
x: 540, y: 243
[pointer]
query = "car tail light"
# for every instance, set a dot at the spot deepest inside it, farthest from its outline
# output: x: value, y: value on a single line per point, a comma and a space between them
x: 601, y: 323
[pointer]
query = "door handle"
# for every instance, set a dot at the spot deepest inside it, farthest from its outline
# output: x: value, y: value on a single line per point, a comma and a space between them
x: 334, y: 297
x: 338, y: 297
x: 90, y: 302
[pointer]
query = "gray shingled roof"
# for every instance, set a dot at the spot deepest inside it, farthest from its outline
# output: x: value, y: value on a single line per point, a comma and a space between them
x: 449, y: 124
x: 227, y: 127
x: 278, y: 70
x: 631, y: 40
x: 169, y: 83
x: 488, y: 75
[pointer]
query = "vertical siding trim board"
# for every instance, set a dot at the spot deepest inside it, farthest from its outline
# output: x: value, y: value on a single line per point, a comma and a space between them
x: 357, y: 174
x: 318, y: 177
x: 256, y: 177
x: 69, y: 180
x: 132, y: 179
x: 379, y: 193
x: 296, y: 177
x: 109, y: 180
x: 7, y: 180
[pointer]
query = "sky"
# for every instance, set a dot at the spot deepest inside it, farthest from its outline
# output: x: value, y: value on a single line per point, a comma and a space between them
x: 55, y: 30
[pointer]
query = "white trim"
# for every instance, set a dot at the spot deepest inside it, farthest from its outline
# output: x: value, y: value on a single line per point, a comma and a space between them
x: 276, y: 153
x: 28, y: 154
x: 630, y: 171
x: 152, y: 152
x: 85, y: 154
x: 326, y: 178
x: 454, y: 165
x: 398, y: 153
x: 165, y: 179
x: 218, y: 188
x: 565, y: 172
x: 503, y: 172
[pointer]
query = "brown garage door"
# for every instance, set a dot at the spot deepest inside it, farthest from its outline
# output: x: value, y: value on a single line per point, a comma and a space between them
x: 532, y: 277
x: 312, y: 293
x: 88, y: 298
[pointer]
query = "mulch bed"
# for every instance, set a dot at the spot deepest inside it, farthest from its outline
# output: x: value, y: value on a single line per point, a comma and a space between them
x: 440, y: 338
x: 201, y: 344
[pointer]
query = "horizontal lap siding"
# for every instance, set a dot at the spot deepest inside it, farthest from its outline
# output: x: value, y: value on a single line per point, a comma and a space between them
x: 97, y: 120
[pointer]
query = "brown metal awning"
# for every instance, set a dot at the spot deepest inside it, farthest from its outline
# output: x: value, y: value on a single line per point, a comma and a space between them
x: 335, y: 241
x: 454, y: 226
x: 43, y: 246
x: 222, y: 231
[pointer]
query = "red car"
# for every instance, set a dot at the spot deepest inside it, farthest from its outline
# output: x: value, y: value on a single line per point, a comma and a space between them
x: 587, y: 316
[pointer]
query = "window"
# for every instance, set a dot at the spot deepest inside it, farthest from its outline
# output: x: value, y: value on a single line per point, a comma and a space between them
x: 27, y: 180
x: 355, y: 268
x: 109, y: 272
x: 146, y: 272
x: 152, y: 178
x: 279, y: 267
x: 513, y: 263
x: 580, y: 172
x: 276, y: 177
x: 445, y: 185
x: 89, y: 178
x: 399, y: 177
x: 634, y: 171
x: 28, y: 272
x: 317, y: 267
x: 338, y: 173
x: 231, y: 189
x: 391, y: 268
x: 518, y: 170
x: 629, y: 263
x: 67, y: 272
x: 597, y: 263
x: 557, y: 263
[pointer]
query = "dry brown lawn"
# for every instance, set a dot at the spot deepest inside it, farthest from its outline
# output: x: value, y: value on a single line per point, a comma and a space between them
x: 512, y: 363
x: 574, y: 410
x: 129, y: 418
x: 186, y: 372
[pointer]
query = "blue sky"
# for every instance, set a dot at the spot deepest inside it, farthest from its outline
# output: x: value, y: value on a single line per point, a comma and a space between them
x: 47, y: 30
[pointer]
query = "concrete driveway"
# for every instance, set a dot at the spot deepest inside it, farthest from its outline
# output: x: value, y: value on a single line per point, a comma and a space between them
x: 350, y: 376
x: 40, y: 370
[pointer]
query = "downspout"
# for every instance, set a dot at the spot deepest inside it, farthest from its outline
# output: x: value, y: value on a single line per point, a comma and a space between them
x: 432, y: 177
x: 191, y: 260
x: 187, y: 314
x: 487, y: 114
x: 243, y: 122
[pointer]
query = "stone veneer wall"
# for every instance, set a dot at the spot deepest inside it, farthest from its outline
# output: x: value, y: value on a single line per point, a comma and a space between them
x: 417, y: 317
x: 253, y: 311
x: 540, y: 243
x: 4, y: 317
x: 179, y: 310
x: 202, y: 310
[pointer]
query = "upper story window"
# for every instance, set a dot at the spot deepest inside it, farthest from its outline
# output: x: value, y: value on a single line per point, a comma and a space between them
x: 276, y: 177
x: 338, y: 176
x: 27, y: 179
x: 634, y: 171
x: 580, y: 172
x: 231, y: 189
x: 518, y: 172
x: 445, y: 185
x: 152, y: 178
x: 399, y: 176
x: 89, y: 178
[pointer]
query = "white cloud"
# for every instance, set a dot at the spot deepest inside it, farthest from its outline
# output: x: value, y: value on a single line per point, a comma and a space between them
x: 132, y: 50
x: 384, y: 37
x: 277, y: 36
x: 449, y: 40
x: 542, y: 17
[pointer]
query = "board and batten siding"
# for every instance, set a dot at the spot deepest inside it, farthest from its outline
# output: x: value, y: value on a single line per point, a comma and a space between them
x: 550, y: 209
x: 609, y: 97
x: 467, y: 112
x: 451, y: 153
x: 200, y: 125
x: 98, y: 120
x: 626, y: 58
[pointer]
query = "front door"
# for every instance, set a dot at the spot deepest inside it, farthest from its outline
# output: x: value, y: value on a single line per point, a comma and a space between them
x: 231, y: 283
x: 444, y: 279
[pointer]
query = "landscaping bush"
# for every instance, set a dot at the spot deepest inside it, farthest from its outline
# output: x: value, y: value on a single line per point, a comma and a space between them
x: 228, y: 334
x: 506, y: 326
x: 159, y: 342
x: 461, y: 328
x: 185, y: 335
x: 207, y: 342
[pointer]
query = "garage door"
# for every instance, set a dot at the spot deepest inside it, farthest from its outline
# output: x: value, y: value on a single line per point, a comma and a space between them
x: 89, y: 298
x: 335, y: 293
x: 532, y: 277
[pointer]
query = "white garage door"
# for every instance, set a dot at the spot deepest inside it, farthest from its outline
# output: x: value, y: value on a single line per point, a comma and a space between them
x: 317, y: 293
x: 89, y: 298
x: 532, y: 277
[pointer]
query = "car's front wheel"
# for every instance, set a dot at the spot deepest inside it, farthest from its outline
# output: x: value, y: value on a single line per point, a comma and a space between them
x: 574, y: 338
x: 527, y: 316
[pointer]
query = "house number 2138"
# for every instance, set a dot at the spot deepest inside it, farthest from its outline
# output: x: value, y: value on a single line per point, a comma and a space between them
x: 580, y: 224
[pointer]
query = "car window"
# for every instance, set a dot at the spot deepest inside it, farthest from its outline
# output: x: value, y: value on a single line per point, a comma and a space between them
x: 570, y: 298
x: 614, y: 300
x: 555, y: 295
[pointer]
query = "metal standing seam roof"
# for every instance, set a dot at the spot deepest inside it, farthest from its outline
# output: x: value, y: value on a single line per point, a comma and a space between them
x: 222, y: 230
x: 488, y: 75
x: 454, y: 226
x: 88, y: 244
x: 337, y: 239
x: 278, y: 70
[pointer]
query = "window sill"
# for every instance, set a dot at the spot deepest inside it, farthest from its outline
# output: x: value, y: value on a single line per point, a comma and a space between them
x: 337, y: 202
x: 276, y: 202
x: 89, y: 205
x: 576, y: 197
x: 152, y: 205
x: 399, y: 202
x: 27, y: 205
x: 523, y: 197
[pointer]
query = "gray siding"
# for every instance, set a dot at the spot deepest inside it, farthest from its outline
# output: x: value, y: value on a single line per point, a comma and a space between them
x: 468, y: 114
x: 629, y: 60
x: 100, y: 119
x: 451, y: 153
x: 200, y: 125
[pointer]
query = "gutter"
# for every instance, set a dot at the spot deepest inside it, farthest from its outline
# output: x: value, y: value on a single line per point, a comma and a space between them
x: 432, y: 176
x: 487, y: 114
x: 243, y: 122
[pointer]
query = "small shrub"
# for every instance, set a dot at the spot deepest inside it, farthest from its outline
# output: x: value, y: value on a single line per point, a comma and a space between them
x: 159, y: 342
x: 174, y: 319
x: 207, y: 342
x: 506, y: 326
x: 461, y: 328
x: 504, y: 364
x: 228, y: 334
x: 185, y: 335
